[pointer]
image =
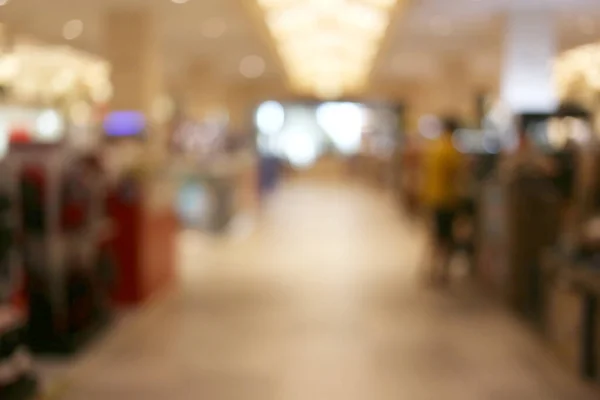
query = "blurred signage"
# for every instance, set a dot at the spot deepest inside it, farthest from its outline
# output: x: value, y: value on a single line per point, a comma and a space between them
x: 124, y: 124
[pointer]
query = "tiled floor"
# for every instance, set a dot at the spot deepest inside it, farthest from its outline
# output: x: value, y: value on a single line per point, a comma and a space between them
x: 321, y: 301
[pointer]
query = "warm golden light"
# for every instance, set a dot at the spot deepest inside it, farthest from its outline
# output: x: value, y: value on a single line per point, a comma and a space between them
x: 328, y: 46
x: 41, y: 72
x: 577, y: 74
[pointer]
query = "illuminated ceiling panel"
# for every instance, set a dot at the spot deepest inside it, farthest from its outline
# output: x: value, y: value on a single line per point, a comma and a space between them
x: 327, y: 46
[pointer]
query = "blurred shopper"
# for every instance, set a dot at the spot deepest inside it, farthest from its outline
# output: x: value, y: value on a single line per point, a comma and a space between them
x: 442, y: 192
x: 526, y: 158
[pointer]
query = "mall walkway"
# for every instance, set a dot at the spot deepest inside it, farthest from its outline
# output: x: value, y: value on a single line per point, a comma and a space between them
x: 321, y: 301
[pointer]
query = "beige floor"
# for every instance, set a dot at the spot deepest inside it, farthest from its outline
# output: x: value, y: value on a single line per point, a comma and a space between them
x: 321, y: 301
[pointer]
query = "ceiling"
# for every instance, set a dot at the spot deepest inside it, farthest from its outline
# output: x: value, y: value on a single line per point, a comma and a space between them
x: 423, y: 33
x: 471, y: 30
x: 181, y: 26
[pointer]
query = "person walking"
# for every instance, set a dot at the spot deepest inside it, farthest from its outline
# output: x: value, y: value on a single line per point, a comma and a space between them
x: 443, y: 167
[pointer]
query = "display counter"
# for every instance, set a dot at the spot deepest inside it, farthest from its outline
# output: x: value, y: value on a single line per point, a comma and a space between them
x: 518, y: 218
x: 144, y: 239
x: 233, y: 186
x: 572, y: 316
x: 214, y: 193
x: 519, y: 261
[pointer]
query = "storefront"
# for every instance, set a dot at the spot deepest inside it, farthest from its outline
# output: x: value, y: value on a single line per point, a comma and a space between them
x: 535, y: 235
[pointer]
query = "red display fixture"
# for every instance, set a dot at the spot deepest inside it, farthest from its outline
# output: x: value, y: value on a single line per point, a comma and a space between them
x: 20, y: 136
x: 144, y: 242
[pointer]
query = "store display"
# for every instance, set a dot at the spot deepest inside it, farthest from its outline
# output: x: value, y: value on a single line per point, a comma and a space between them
x: 550, y: 208
x: 144, y: 239
x: 17, y: 379
x: 64, y: 232
x: 140, y: 203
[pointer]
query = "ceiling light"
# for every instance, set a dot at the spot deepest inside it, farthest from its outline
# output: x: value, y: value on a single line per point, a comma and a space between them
x: 327, y: 46
x: 252, y: 67
x: 4, y: 2
x: 179, y: 1
x: 72, y: 29
x: 214, y: 28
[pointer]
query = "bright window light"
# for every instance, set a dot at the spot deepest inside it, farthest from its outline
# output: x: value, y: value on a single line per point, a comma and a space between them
x: 270, y: 117
x: 343, y: 123
x: 300, y: 149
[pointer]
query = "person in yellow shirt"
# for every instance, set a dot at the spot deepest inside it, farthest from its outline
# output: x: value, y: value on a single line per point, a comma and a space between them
x: 442, y: 195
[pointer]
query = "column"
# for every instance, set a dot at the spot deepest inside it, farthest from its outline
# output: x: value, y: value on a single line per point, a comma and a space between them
x: 133, y: 48
x: 459, y: 93
x: 205, y: 91
x: 146, y: 252
x: 241, y: 101
x: 529, y: 49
